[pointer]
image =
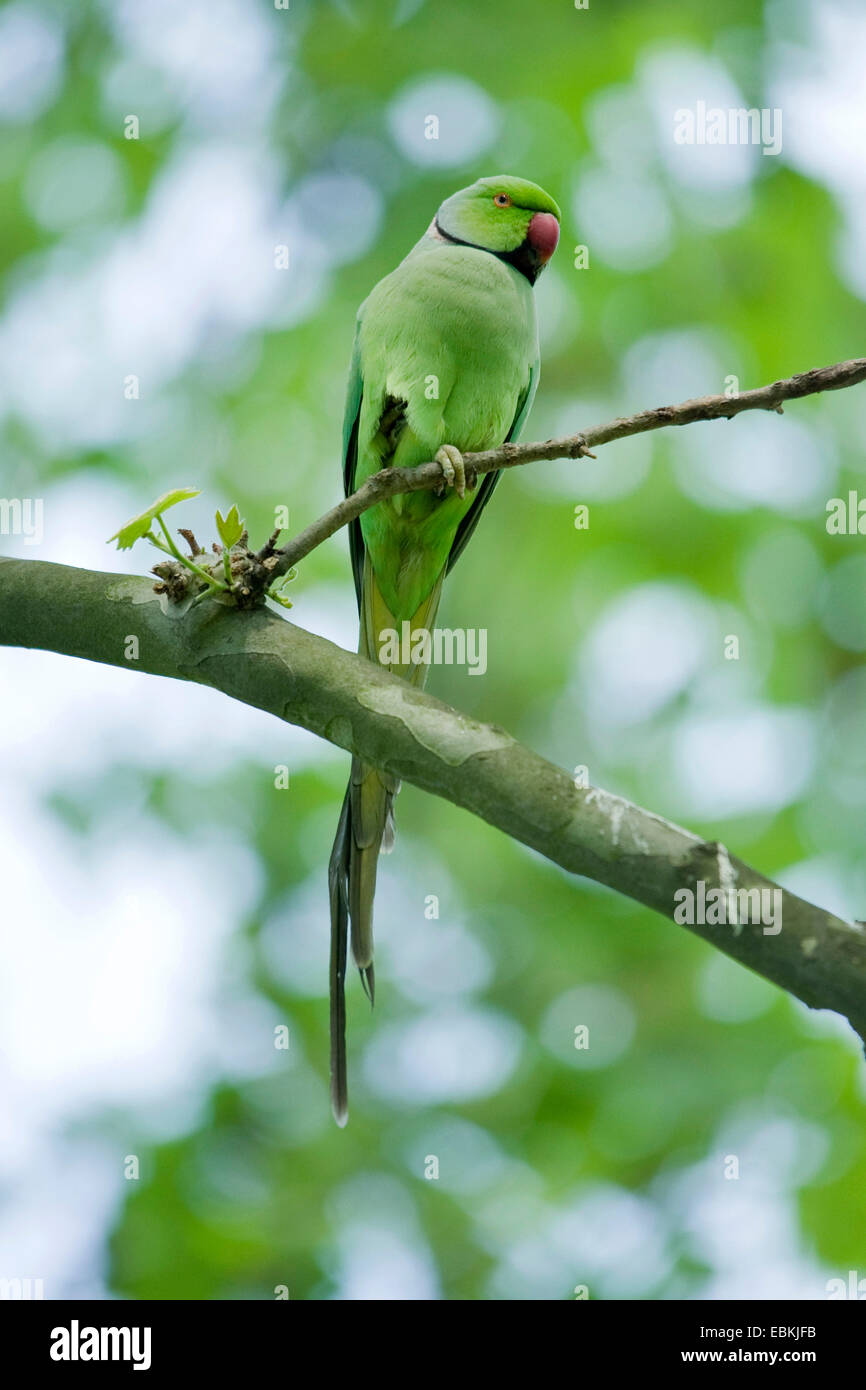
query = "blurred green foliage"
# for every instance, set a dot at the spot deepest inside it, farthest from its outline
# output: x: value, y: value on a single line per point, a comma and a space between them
x: 263, y: 1191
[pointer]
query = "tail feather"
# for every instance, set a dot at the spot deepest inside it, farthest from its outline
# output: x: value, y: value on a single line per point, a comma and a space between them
x: 352, y: 886
x: 338, y: 871
x: 365, y: 830
x: 370, y: 794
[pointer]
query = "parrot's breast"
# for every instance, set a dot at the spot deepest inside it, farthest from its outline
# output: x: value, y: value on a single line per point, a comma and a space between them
x: 453, y: 333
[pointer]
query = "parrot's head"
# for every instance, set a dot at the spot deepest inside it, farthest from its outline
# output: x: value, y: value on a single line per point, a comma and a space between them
x: 511, y: 218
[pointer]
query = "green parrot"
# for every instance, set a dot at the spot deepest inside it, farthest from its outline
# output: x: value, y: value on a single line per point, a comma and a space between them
x: 445, y: 362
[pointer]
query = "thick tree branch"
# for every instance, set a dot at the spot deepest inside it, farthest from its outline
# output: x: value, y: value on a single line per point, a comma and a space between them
x: 391, y: 481
x: 265, y: 661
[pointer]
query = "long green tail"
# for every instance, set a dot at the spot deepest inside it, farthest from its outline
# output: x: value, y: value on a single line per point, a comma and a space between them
x: 365, y: 829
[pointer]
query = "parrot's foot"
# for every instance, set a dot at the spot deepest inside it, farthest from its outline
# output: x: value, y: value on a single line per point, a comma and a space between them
x: 450, y: 460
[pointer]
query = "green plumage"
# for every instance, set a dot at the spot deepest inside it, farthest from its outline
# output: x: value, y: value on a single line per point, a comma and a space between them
x: 445, y: 353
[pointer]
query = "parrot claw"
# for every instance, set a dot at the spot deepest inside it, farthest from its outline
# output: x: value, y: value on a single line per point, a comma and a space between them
x: 450, y: 460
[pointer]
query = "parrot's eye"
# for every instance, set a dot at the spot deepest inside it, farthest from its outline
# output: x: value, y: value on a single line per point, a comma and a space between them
x: 502, y: 200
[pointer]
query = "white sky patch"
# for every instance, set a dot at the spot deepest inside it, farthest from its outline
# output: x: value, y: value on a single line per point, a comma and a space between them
x: 605, y: 1011
x: 243, y: 1044
x: 732, y: 1225
x: 673, y: 79
x: 110, y: 973
x: 31, y: 61
x: 447, y: 1055
x: 65, y: 717
x: 723, y: 682
x: 381, y: 1246
x: 115, y: 991
x: 470, y: 1159
x: 619, y: 469
x: 752, y: 759
x: 219, y: 55
x: 530, y: 1269
x: 429, y: 960
x: 344, y: 210
x: 624, y: 218
x: 55, y: 1231
x: 621, y: 134
x: 432, y: 961
x: 632, y: 129
x: 81, y: 511
x: 758, y: 459
x: 644, y: 649
x: 617, y: 1241
x: 293, y: 941
x: 780, y: 1149
x: 818, y: 81
x: 200, y: 260
x: 671, y: 366
x: 377, y: 1264
x: 329, y: 610
x: 557, y: 309
x: 469, y: 120
x: 132, y: 87
x: 200, y: 266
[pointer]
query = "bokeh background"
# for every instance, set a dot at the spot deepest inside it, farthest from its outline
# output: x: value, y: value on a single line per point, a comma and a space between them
x: 164, y: 905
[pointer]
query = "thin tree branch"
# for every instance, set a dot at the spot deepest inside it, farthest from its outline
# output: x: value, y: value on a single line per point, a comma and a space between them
x: 425, y: 476
x: 267, y: 662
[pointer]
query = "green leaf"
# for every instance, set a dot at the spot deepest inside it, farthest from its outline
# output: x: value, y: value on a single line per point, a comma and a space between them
x: 277, y: 590
x: 230, y: 527
x: 139, y: 526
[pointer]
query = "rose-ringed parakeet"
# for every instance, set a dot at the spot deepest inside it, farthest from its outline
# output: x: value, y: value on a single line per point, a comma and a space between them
x: 445, y: 362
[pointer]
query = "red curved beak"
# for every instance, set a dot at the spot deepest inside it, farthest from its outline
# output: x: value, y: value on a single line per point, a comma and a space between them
x: 543, y: 235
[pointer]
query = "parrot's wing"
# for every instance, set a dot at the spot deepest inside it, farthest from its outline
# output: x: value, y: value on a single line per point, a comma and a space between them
x: 485, y: 491
x: 351, y: 417
x: 350, y: 458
